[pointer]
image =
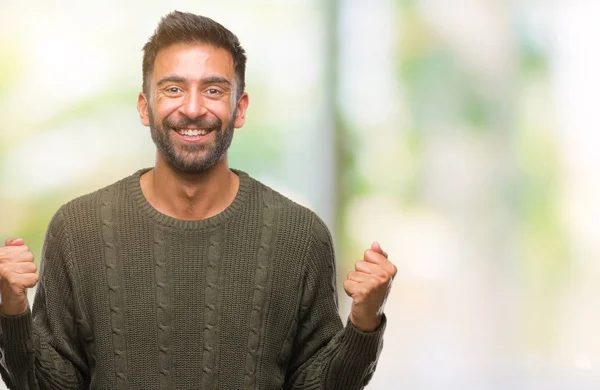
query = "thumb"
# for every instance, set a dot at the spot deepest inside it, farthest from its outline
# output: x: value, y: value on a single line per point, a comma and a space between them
x: 14, y: 242
x: 377, y: 248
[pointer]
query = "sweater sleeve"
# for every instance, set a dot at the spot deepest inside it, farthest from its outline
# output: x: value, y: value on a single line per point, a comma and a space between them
x: 41, y: 349
x: 325, y: 355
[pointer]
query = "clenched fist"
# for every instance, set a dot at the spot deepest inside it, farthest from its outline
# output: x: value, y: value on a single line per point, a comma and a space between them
x: 17, y: 274
x: 368, y: 286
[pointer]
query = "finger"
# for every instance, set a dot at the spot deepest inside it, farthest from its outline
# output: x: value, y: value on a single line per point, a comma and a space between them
x: 15, y: 254
x: 23, y: 282
x: 376, y: 246
x: 24, y: 257
x: 391, y: 268
x: 24, y: 268
x: 351, y: 287
x: 374, y: 257
x: 358, y: 276
x: 12, y: 270
x: 30, y: 280
x: 366, y: 267
x: 14, y: 242
x: 21, y: 254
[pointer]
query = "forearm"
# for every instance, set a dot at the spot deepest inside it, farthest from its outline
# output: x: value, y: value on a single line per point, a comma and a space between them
x: 325, y: 354
x: 30, y: 361
x: 347, y: 362
x: 16, y: 343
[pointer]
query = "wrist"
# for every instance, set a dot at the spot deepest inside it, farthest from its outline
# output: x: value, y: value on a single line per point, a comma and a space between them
x: 366, y: 325
x: 10, y: 307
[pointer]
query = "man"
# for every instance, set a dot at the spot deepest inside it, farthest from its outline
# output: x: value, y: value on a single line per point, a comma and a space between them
x: 189, y: 274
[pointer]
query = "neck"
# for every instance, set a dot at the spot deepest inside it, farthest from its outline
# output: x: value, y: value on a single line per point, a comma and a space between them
x: 190, y: 196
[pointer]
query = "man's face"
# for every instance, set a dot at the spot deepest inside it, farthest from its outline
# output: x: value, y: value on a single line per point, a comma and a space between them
x: 191, y: 108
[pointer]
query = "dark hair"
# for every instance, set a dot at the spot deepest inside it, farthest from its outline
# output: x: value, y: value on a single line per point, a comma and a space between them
x: 184, y: 27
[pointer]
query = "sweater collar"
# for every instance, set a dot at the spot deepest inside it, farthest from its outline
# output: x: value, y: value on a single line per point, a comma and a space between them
x: 162, y: 219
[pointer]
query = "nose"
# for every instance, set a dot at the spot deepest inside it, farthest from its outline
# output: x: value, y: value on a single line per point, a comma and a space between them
x: 193, y: 105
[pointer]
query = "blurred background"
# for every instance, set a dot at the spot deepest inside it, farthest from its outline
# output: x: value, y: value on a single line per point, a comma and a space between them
x: 461, y: 134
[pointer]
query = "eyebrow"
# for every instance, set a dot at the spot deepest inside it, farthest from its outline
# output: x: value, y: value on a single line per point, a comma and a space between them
x: 182, y: 80
x: 215, y: 80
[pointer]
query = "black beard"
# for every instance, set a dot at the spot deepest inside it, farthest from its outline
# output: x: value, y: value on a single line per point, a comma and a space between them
x: 188, y: 157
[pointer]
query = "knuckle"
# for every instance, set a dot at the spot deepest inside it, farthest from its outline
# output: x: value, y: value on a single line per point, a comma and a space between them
x: 383, y: 280
x: 347, y: 286
x: 360, y: 296
x: 384, y: 274
x: 6, y: 270
x: 374, y: 282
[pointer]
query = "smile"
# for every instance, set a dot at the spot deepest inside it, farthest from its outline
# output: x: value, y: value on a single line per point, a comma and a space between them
x: 192, y: 132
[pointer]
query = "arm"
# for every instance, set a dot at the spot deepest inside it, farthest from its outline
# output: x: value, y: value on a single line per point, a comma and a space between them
x: 325, y: 355
x: 41, y: 348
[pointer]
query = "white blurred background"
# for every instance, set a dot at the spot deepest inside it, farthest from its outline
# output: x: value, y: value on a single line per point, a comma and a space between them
x: 461, y: 134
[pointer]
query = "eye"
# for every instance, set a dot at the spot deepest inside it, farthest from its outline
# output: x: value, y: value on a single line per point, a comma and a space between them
x: 213, y: 91
x: 173, y: 90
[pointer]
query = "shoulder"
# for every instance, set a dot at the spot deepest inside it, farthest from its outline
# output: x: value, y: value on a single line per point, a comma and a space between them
x: 294, y: 221
x: 87, y: 208
x: 270, y: 198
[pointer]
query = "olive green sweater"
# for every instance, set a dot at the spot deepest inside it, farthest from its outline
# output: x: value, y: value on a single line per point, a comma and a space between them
x: 130, y: 298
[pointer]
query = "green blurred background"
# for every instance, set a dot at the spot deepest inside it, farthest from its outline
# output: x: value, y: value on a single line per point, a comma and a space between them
x: 460, y: 134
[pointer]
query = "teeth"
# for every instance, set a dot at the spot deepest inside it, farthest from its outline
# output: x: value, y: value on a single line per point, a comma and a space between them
x: 192, y: 133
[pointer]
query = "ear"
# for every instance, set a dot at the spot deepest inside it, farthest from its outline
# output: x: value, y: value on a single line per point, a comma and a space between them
x: 242, y: 105
x: 142, y: 107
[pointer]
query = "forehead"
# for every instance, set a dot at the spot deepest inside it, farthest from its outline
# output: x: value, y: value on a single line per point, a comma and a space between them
x: 193, y: 60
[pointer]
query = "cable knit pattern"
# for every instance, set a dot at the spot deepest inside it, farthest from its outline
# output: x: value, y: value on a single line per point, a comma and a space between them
x: 163, y: 309
x: 261, y: 289
x: 211, y: 314
x: 286, y: 349
x: 42, y: 333
x: 130, y: 298
x: 113, y: 278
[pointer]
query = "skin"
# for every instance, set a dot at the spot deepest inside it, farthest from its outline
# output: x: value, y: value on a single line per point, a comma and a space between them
x: 17, y: 273
x: 193, y: 86
x: 182, y: 87
x: 369, y: 286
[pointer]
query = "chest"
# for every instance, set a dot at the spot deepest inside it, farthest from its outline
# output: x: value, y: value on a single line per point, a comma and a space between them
x: 227, y: 277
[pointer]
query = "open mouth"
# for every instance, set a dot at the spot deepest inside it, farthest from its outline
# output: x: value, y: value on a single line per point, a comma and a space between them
x: 192, y: 134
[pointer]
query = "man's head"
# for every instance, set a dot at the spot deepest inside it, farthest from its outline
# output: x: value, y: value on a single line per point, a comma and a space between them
x: 193, y: 91
x: 183, y: 27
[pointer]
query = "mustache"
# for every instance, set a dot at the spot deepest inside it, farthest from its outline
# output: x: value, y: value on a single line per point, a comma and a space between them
x: 200, y: 123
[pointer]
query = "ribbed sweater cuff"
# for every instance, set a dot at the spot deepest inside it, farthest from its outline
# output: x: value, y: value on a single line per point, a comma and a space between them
x: 15, y: 329
x: 364, y: 342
